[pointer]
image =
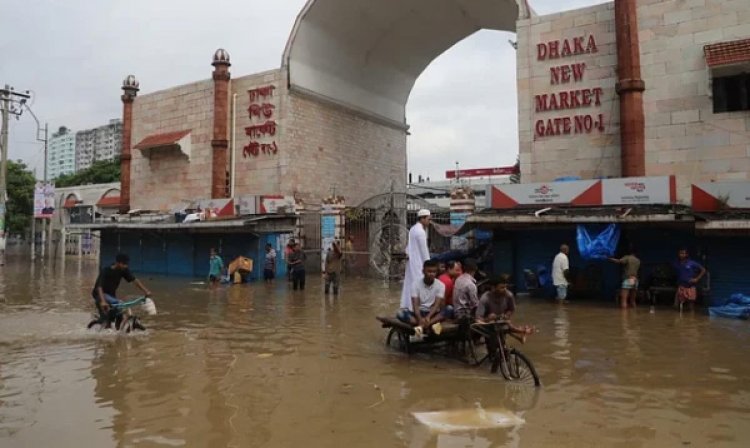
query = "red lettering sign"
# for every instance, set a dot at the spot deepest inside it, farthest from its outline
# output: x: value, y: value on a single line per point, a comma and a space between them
x: 481, y: 172
x: 262, y: 111
x: 556, y: 49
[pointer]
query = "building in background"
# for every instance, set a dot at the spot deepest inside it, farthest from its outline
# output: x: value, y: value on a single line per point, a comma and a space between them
x: 61, y: 156
x: 97, y: 144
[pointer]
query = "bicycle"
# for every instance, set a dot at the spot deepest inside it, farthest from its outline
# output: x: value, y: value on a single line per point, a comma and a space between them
x: 122, y: 317
x: 512, y: 364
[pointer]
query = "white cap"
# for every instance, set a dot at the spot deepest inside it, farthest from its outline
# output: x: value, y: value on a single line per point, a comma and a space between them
x: 422, y: 213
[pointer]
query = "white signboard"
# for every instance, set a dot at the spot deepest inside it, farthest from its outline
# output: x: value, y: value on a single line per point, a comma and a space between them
x: 246, y: 205
x: 638, y: 190
x: 625, y: 191
x: 512, y: 195
x: 277, y: 204
x: 713, y: 196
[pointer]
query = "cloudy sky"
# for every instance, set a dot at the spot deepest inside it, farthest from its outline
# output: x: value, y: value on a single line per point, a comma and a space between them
x: 74, y: 55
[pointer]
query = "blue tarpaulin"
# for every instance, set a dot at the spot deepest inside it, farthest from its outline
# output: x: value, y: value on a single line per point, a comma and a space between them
x: 737, y: 307
x: 597, y: 247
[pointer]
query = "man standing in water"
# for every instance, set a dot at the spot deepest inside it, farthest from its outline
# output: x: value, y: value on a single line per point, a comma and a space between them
x: 269, y: 264
x: 629, y: 288
x: 215, y: 267
x: 560, y: 272
x: 689, y: 273
x: 418, y: 252
x: 297, y: 266
x: 105, y: 288
x: 332, y: 271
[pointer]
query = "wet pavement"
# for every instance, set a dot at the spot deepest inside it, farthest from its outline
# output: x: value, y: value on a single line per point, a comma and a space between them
x: 261, y: 366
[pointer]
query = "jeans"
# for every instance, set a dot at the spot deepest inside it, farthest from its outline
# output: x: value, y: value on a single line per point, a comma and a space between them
x: 113, y: 312
x: 562, y: 292
x: 333, y: 278
x: 298, y: 279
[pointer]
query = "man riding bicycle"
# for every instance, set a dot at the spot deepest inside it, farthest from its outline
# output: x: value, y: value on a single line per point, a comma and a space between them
x: 105, y: 288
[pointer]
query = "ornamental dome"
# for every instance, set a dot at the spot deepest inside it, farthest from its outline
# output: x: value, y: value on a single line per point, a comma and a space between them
x: 221, y: 56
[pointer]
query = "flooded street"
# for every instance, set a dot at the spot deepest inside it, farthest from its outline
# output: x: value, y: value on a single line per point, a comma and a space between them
x: 259, y: 365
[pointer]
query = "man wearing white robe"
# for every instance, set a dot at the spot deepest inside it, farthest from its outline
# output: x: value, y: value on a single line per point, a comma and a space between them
x: 418, y: 252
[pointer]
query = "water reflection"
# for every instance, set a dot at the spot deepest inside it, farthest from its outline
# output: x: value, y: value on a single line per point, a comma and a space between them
x: 259, y: 365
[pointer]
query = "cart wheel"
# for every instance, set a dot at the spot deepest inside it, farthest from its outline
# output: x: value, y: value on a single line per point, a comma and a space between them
x: 520, y: 369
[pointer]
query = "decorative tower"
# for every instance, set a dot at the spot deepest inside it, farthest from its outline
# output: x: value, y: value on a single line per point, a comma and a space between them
x: 129, y: 92
x: 220, y: 143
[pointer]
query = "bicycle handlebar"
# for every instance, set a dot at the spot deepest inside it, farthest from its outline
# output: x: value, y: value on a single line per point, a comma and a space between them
x: 131, y: 303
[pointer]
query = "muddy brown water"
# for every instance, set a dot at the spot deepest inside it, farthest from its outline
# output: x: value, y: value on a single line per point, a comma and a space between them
x: 258, y: 365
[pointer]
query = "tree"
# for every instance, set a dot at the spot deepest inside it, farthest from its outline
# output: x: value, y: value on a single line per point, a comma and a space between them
x: 515, y: 178
x: 20, y: 197
x: 101, y: 172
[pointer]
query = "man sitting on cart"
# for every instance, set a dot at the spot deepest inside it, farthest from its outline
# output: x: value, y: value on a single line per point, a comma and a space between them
x: 499, y: 304
x: 427, y: 300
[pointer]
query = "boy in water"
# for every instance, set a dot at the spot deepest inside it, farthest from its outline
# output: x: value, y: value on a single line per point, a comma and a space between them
x: 215, y: 267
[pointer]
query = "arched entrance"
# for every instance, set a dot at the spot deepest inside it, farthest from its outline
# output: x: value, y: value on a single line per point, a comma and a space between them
x: 366, y: 55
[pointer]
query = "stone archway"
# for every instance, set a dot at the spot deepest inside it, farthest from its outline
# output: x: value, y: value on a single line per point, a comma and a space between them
x: 366, y: 55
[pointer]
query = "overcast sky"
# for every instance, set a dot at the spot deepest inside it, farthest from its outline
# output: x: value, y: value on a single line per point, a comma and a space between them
x: 74, y: 55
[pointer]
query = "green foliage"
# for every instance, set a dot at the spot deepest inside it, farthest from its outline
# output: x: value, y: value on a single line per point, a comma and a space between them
x: 20, y: 197
x: 99, y: 173
x: 516, y: 177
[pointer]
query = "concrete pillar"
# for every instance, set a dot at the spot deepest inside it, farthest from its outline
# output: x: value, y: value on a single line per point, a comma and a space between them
x: 630, y: 87
x: 463, y: 204
x: 220, y: 143
x: 129, y: 92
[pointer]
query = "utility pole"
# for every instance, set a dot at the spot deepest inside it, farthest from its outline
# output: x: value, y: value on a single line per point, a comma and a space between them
x: 11, y: 102
x: 33, y: 218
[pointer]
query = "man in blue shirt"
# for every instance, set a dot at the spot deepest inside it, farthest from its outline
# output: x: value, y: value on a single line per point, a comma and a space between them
x: 689, y: 273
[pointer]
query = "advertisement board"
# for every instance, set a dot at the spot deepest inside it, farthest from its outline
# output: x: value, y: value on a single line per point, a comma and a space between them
x: 582, y: 192
x: 625, y: 191
x: 639, y: 190
x: 44, y: 200
x: 277, y: 204
x: 713, y: 196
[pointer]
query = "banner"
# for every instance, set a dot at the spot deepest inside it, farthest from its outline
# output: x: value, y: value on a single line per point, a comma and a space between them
x: 625, y: 191
x: 44, y: 200
x: 714, y: 196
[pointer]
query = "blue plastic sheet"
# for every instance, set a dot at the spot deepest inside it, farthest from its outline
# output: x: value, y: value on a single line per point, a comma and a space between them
x: 737, y: 307
x: 597, y: 247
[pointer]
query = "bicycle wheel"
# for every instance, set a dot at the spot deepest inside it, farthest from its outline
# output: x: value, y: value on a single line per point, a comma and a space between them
x: 95, y: 324
x: 520, y: 369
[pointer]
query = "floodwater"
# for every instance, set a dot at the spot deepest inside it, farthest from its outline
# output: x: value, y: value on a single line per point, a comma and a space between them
x: 260, y: 366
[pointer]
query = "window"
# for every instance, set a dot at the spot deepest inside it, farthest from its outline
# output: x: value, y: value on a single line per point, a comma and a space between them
x: 731, y: 93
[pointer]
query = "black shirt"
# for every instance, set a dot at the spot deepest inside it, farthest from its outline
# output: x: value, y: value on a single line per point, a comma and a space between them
x: 109, y: 279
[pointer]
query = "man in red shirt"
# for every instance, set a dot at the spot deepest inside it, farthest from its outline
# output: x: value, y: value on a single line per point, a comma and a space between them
x: 452, y: 271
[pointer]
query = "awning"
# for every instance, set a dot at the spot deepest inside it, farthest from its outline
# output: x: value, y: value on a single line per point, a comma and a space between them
x: 727, y: 53
x: 529, y: 217
x: 70, y: 203
x: 179, y: 140
x: 111, y: 201
x: 254, y: 225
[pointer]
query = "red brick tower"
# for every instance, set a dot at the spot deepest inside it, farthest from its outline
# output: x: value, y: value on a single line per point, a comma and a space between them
x: 220, y: 143
x: 129, y: 92
x: 630, y: 87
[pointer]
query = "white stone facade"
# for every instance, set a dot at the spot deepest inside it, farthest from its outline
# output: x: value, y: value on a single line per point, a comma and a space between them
x: 684, y: 137
x: 313, y: 148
